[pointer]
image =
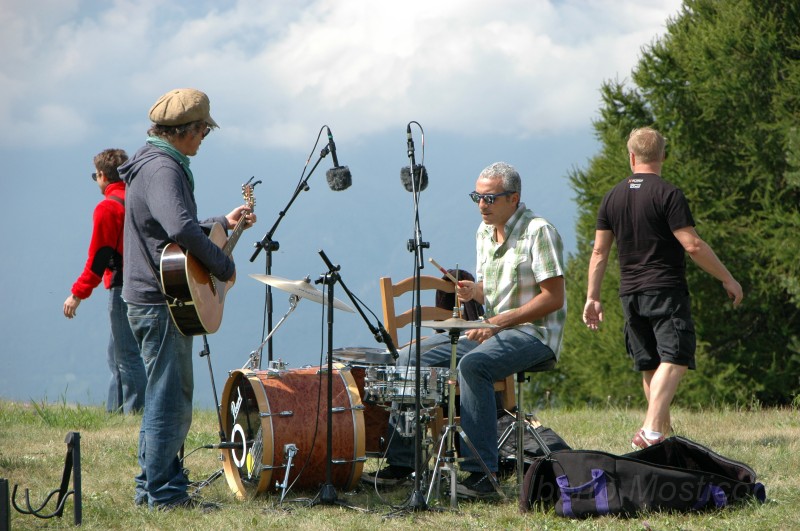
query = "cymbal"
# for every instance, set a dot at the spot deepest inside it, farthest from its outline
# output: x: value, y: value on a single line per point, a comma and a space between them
x: 302, y: 289
x: 363, y: 356
x: 457, y: 324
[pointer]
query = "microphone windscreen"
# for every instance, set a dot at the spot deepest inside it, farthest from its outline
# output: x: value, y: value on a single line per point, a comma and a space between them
x: 339, y: 178
x: 420, y: 178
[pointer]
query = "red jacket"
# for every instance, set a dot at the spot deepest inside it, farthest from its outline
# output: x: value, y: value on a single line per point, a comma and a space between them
x: 105, y: 249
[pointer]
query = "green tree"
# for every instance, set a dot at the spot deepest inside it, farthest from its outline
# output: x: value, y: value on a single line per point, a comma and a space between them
x: 723, y: 85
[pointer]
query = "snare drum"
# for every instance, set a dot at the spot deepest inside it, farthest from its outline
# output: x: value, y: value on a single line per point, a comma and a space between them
x: 398, y: 384
x: 376, y: 417
x: 275, y: 418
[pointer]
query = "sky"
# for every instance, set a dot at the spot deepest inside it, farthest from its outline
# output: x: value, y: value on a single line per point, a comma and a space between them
x: 516, y: 81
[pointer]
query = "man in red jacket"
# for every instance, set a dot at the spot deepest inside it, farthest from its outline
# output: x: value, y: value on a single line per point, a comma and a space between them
x: 128, y: 378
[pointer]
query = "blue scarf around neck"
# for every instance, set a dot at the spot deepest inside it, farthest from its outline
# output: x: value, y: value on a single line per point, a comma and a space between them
x: 179, y: 157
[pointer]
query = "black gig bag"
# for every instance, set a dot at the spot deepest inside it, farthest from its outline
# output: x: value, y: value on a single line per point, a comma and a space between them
x: 674, y: 475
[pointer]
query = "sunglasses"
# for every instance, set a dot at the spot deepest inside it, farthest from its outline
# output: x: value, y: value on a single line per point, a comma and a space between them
x: 488, y: 198
x: 205, y: 133
x: 94, y: 176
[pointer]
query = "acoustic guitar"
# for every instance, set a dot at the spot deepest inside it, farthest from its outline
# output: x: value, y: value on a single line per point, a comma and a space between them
x: 196, y: 298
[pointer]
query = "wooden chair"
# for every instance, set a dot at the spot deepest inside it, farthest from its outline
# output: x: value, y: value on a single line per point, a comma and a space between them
x: 394, y: 321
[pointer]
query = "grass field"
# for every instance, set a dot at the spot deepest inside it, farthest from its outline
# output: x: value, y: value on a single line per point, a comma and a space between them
x: 33, y: 449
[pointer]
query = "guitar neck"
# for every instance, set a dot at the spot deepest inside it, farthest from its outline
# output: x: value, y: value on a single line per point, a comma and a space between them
x: 234, y: 237
x: 247, y: 191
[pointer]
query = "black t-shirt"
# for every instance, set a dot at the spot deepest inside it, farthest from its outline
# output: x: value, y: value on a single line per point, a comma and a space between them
x: 642, y: 211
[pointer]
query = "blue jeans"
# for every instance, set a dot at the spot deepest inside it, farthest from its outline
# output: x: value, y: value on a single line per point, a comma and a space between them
x: 167, y: 404
x: 479, y: 366
x: 128, y: 379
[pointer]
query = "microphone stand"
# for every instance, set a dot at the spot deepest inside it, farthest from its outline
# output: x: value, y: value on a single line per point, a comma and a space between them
x: 417, y: 499
x: 269, y: 245
x: 206, y: 353
x: 380, y: 333
x: 327, y: 493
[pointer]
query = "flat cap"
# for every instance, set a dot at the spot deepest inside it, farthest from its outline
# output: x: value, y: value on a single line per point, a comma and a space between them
x: 181, y: 106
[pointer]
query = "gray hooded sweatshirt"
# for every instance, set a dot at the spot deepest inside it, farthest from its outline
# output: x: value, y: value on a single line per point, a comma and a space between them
x: 159, y: 209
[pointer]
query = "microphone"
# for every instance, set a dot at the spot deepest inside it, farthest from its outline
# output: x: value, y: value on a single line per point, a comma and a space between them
x: 383, y: 336
x: 339, y: 177
x: 420, y: 178
x: 420, y: 181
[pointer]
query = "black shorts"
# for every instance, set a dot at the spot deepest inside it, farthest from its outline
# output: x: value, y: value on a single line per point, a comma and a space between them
x: 659, y: 327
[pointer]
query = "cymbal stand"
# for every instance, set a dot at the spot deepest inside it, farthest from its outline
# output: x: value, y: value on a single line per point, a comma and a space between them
x: 445, y: 457
x: 254, y: 361
x: 269, y: 245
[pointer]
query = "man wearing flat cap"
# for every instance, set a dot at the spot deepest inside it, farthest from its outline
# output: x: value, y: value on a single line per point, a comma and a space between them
x: 161, y: 209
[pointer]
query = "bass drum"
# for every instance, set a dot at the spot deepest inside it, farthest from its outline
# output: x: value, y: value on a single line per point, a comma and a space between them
x: 279, y: 418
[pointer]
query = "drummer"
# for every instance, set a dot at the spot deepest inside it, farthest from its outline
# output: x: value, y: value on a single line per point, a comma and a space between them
x: 520, y: 281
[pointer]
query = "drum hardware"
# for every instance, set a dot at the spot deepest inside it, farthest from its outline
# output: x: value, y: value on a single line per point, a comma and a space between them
x: 289, y: 451
x: 254, y: 361
x: 445, y: 456
x: 297, y: 289
x: 279, y: 414
x: 408, y: 422
x: 276, y: 367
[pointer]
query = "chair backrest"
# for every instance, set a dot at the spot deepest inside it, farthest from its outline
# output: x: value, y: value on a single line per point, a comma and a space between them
x: 389, y: 292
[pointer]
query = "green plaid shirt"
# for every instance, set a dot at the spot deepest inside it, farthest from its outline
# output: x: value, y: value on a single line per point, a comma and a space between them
x: 511, y: 271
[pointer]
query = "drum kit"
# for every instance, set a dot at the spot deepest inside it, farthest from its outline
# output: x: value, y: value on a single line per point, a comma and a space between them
x: 272, y: 422
x: 275, y: 421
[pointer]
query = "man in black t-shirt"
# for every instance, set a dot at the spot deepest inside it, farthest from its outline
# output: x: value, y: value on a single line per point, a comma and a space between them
x: 651, y: 222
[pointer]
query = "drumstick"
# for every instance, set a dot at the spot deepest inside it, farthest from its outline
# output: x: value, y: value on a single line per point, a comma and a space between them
x: 446, y: 272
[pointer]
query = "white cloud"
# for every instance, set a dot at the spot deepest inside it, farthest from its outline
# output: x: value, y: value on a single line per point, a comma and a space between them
x: 276, y: 70
x: 521, y: 77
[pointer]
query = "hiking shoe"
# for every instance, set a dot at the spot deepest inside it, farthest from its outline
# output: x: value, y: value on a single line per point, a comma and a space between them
x: 477, y: 486
x: 388, y: 476
x: 190, y: 502
x: 640, y: 442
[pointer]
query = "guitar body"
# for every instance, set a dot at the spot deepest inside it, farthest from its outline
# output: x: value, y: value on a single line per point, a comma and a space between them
x: 196, y: 297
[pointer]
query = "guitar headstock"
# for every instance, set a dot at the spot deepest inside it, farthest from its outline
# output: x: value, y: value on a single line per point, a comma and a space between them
x: 248, y: 195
